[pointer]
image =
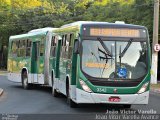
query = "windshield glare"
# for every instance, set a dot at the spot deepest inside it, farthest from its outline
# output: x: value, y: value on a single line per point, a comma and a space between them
x: 97, y: 62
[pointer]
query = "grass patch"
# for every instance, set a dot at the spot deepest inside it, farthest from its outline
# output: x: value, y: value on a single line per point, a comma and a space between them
x: 155, y: 86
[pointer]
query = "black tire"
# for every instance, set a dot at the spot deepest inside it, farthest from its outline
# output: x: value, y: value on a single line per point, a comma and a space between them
x: 25, y: 83
x: 71, y: 103
x: 127, y: 106
x: 54, y: 91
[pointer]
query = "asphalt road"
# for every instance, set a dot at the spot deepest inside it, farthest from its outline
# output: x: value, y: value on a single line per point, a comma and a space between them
x: 38, y: 100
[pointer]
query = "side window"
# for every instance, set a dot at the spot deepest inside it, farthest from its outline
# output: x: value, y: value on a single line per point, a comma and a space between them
x: 18, y: 43
x: 69, y: 40
x: 63, y: 50
x: 61, y: 54
x: 53, y: 46
x: 62, y: 40
x: 11, y: 46
x: 41, y: 47
x: 18, y: 49
x: 23, y: 48
x: 28, y: 47
x: 14, y: 49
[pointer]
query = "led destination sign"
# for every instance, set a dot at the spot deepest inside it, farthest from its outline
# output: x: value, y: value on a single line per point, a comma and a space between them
x: 114, y: 32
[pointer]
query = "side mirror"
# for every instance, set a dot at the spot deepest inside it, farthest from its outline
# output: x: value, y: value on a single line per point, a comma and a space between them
x: 76, y: 46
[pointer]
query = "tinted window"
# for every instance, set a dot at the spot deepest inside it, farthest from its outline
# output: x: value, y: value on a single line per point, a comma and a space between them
x: 41, y: 48
x: 14, y: 49
x: 69, y: 45
x: 28, y: 48
x: 53, y: 47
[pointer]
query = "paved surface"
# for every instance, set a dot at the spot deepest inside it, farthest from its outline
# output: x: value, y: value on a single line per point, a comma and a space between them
x: 39, y: 100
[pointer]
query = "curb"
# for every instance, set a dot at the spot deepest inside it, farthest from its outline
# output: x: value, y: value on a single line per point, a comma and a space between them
x: 156, y: 90
x: 1, y: 91
x: 3, y: 72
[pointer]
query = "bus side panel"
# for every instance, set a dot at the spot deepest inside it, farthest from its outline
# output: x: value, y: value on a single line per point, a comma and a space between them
x: 40, y: 71
x: 52, y: 59
x: 58, y: 59
x: 73, y: 83
x: 52, y: 66
x: 57, y: 64
x: 17, y: 65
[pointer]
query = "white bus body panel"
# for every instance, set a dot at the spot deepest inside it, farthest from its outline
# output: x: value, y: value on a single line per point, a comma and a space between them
x: 14, y: 77
x: 61, y: 86
x: 32, y: 78
x: 85, y: 97
x: 73, y: 92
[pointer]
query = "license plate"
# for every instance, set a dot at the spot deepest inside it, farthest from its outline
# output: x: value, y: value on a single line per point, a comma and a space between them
x: 114, y: 99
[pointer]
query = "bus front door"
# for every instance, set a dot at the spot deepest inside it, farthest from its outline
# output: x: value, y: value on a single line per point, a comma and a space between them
x: 35, y: 61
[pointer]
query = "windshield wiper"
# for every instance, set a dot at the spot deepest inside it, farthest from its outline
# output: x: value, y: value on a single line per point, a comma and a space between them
x: 104, y: 52
x: 107, y: 56
x: 104, y: 46
x: 125, y: 49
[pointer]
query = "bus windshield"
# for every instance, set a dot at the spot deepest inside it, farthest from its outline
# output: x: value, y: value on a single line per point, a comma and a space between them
x: 114, y: 59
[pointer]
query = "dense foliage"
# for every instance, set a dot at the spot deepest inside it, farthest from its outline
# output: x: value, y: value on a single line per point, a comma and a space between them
x: 20, y: 16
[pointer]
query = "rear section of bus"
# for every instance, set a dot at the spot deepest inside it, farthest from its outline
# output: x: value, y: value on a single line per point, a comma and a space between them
x: 113, y: 64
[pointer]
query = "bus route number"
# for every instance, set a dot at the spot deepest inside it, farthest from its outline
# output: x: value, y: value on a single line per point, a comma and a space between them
x: 101, y: 90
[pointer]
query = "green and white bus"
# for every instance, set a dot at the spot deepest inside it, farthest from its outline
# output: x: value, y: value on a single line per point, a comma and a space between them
x: 89, y: 62
x: 101, y: 62
x: 28, y: 57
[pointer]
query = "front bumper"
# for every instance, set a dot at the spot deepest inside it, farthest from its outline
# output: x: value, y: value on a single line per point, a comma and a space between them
x: 85, y: 97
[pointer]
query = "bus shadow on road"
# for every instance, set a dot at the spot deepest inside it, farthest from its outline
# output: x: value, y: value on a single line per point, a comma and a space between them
x: 41, y: 88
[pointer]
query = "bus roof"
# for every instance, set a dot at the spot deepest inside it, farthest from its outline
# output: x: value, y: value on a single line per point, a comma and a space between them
x: 42, y: 30
x: 117, y: 23
x: 34, y: 32
x: 82, y: 22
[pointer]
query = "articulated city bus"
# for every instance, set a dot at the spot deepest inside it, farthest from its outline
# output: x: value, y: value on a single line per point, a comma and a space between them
x: 100, y: 62
x: 89, y: 62
x: 29, y: 57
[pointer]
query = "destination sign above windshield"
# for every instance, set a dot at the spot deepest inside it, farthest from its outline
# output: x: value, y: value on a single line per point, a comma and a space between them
x: 114, y: 32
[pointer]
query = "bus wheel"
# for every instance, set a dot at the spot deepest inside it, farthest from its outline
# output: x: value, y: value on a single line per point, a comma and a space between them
x: 127, y: 106
x: 71, y: 103
x: 54, y: 91
x: 25, y: 83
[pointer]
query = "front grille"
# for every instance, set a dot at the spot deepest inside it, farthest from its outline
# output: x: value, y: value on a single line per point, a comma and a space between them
x: 125, y: 83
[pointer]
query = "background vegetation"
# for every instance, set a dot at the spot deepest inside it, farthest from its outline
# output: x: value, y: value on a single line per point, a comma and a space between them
x: 21, y: 16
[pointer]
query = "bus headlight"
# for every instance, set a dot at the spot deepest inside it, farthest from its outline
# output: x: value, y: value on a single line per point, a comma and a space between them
x: 84, y: 86
x: 143, y: 88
